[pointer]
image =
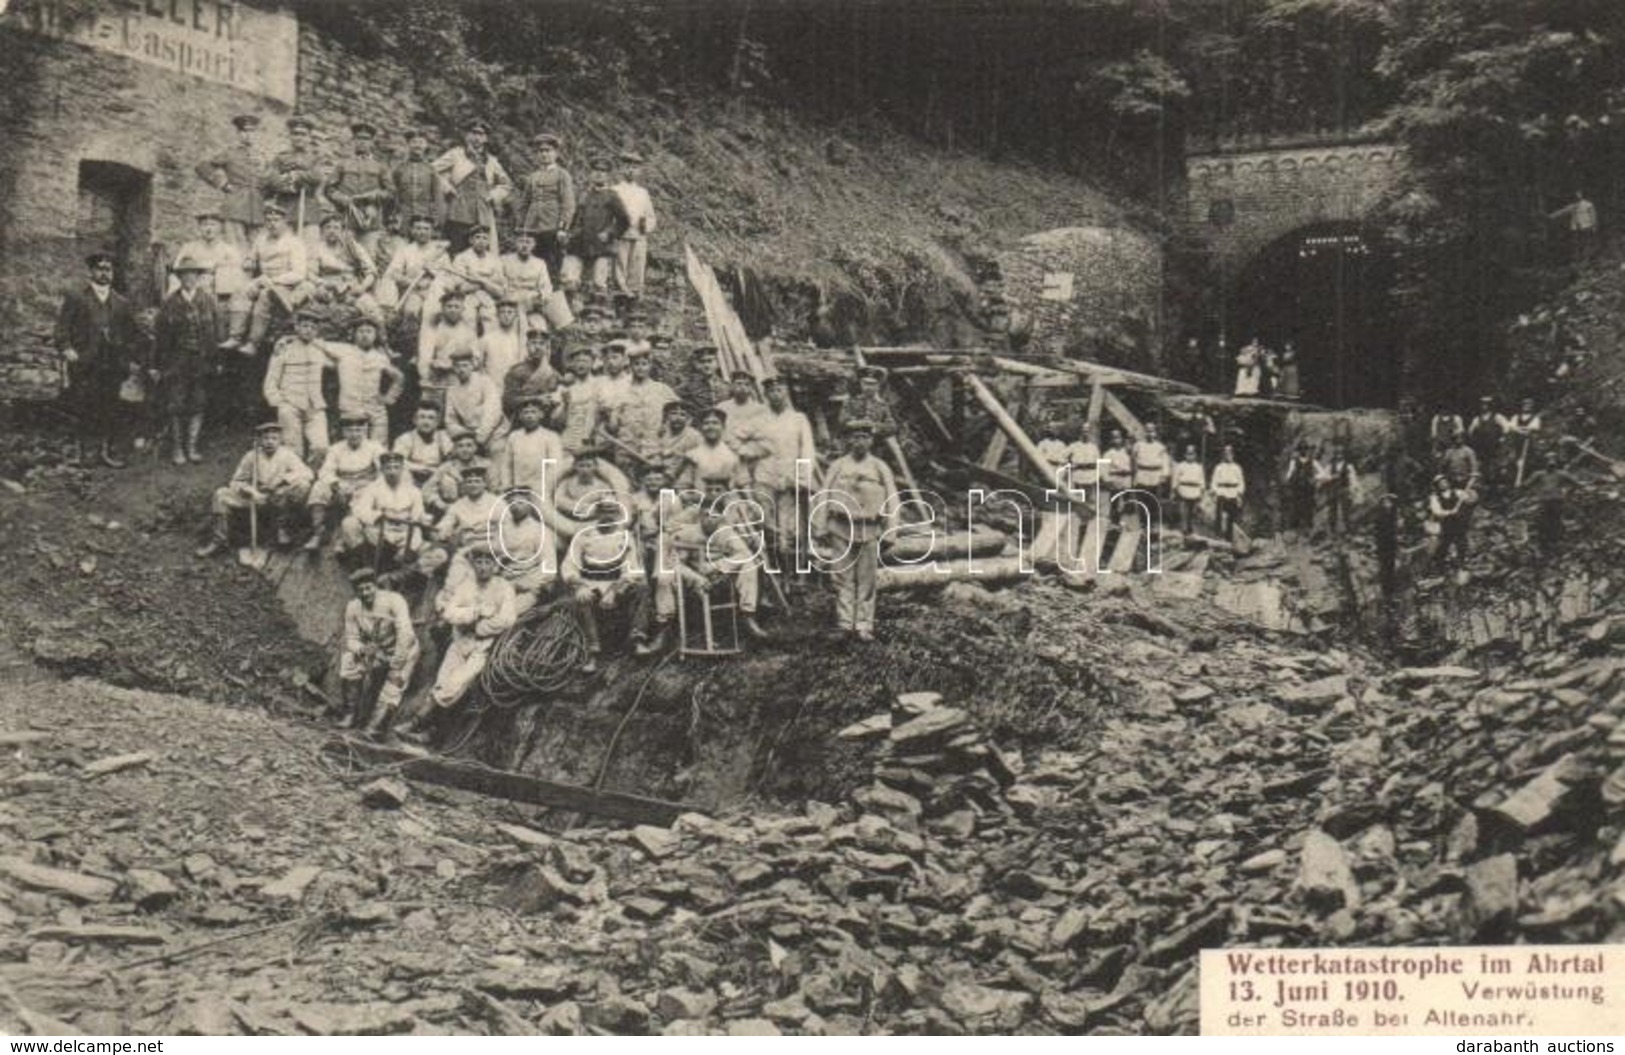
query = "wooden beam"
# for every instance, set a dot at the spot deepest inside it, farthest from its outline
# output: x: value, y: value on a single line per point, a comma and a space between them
x: 1111, y: 375
x: 516, y: 787
x: 917, y: 399
x: 995, y: 450
x: 1011, y: 427
x: 1124, y: 416
x: 1097, y: 402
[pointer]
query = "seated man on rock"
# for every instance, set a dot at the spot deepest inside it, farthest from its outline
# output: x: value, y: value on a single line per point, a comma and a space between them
x: 469, y: 522
x: 446, y: 486
x: 387, y: 517
x: 380, y: 653
x: 525, y: 544
x: 348, y: 467
x: 601, y: 570
x: 271, y: 480
x: 575, y: 496
x: 479, y: 609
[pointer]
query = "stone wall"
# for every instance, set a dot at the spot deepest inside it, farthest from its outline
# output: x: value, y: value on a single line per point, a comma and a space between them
x: 1091, y: 292
x: 62, y: 103
x: 1241, y: 201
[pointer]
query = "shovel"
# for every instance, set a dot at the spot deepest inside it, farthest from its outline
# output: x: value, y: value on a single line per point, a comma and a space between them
x: 254, y: 557
x: 1615, y: 467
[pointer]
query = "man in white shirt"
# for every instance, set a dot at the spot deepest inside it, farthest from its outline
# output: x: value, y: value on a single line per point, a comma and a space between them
x: 473, y: 403
x: 222, y: 262
x: 502, y: 346
x: 411, y: 272
x: 1229, y: 485
x: 386, y: 514
x: 348, y: 467
x: 632, y: 250
x: 278, y: 262
x: 378, y: 637
x: 1190, y: 483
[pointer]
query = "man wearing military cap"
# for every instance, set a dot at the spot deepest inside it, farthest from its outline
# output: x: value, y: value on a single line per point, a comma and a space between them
x: 856, y: 511
x: 868, y: 404
x: 272, y: 479
x: 280, y: 266
x: 466, y: 523
x: 785, y: 438
x: 526, y: 279
x: 293, y: 387
x: 532, y: 457
x: 600, y: 223
x: 416, y: 186
x: 677, y: 436
x: 502, y: 345
x: 479, y: 609
x: 632, y: 248
x: 532, y: 378
x: 185, y: 336
x: 638, y: 418
x: 379, y: 656
x: 293, y: 179
x: 100, y: 344
x: 234, y: 176
x: 474, y: 184
x: 547, y: 202
x: 411, y: 272
x: 602, y: 568
x: 386, y: 514
x: 222, y: 261
x: 473, y: 403
x: 347, y: 467
x: 362, y: 188
x: 445, y: 486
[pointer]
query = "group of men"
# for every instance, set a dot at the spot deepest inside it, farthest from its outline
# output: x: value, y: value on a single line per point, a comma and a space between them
x: 1148, y: 466
x: 1474, y: 458
x: 594, y: 485
x: 413, y: 248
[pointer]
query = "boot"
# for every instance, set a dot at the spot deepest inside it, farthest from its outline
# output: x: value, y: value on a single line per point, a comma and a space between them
x: 753, y: 629
x: 318, y: 529
x: 217, y: 539
x: 177, y: 441
x: 194, y: 429
x: 648, y: 648
x: 349, y: 703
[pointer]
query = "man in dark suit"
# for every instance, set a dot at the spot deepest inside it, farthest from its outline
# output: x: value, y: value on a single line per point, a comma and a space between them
x: 184, y: 354
x: 97, y: 336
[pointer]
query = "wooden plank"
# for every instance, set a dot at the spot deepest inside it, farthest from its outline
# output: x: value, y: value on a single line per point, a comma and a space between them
x: 516, y: 787
x: 1123, y: 415
x: 917, y: 399
x: 1110, y: 375
x: 1097, y: 403
x: 995, y: 451
x: 1123, y: 555
x: 1010, y: 426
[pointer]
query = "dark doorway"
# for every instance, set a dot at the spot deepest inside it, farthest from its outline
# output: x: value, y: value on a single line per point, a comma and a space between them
x: 1326, y: 288
x: 115, y: 213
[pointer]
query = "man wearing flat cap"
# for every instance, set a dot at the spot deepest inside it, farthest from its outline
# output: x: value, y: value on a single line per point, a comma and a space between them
x: 638, y: 417
x: 348, y: 466
x: 281, y: 268
x: 379, y: 656
x: 100, y: 345
x: 185, y: 339
x: 386, y: 514
x: 526, y: 279
x: 632, y: 249
x: 293, y: 387
x: 362, y: 188
x: 411, y: 272
x: 234, y: 176
x: 271, y: 479
x: 474, y: 185
x: 547, y: 202
x: 857, y: 512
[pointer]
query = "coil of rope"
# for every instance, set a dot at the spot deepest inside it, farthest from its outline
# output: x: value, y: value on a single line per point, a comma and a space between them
x: 540, y: 656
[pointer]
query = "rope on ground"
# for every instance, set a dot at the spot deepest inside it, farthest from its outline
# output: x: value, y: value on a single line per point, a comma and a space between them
x: 615, y: 739
x: 540, y: 656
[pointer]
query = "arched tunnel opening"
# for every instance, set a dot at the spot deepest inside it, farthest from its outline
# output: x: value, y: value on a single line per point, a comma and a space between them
x: 1327, y: 289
